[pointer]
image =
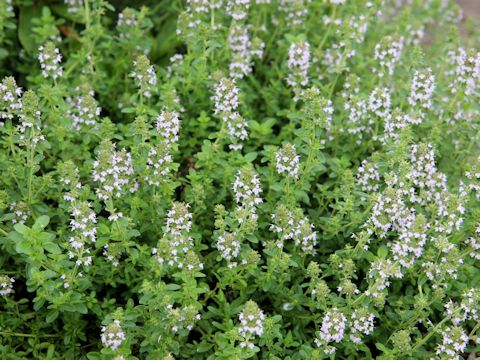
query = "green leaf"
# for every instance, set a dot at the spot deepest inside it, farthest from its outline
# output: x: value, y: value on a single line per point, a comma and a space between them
x: 173, y: 287
x: 24, y: 246
x: 382, y: 347
x: 52, y: 315
x: 42, y: 222
x: 382, y: 252
x: 250, y: 157
x: 52, y: 248
x: 204, y: 347
x: 25, y: 26
x: 20, y: 228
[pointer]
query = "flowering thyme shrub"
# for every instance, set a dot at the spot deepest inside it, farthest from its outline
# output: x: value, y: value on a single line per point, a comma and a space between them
x: 238, y: 179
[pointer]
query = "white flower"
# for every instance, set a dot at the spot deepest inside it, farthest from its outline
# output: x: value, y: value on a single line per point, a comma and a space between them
x: 246, y: 188
x: 298, y: 63
x: 423, y: 85
x: 388, y: 53
x: 145, y: 76
x: 225, y: 97
x: 49, y: 57
x: 238, y: 9
x: 10, y: 99
x: 113, y: 172
x: 251, y: 323
x: 6, y: 285
x: 113, y: 335
x: 333, y: 328
x: 168, y: 125
x: 85, y: 109
x: 287, y: 161
x: 229, y: 247
x: 379, y: 102
x: 73, y: 5
x: 454, y: 342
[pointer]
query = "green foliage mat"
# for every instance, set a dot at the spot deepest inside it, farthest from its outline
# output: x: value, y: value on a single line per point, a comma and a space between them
x: 210, y: 179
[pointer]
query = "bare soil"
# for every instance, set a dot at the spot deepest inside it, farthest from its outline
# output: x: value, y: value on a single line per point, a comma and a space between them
x: 471, y: 8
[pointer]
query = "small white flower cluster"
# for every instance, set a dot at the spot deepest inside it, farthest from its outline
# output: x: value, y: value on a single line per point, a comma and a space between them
x: 70, y: 178
x: 395, y: 122
x: 444, y: 269
x: 182, y: 318
x: 416, y: 33
x: 236, y: 129
x: 287, y: 161
x: 474, y: 243
x: 388, y: 53
x: 29, y: 124
x: 454, y: 342
x: 127, y: 19
x: 73, y: 6
x: 332, y: 330
x: 247, y: 189
x: 361, y: 323
x: 145, y: 76
x: 252, y: 321
x: 225, y: 97
x: 358, y: 26
x: 432, y: 190
x: 467, y: 310
x: 113, y: 172
x: 159, y: 163
x: 381, y: 271
x: 197, y: 11
x: 465, y: 72
x: 359, y: 123
x: 168, y: 125
x: 424, y: 174
x: 10, y: 99
x: 175, y: 247
x: 6, y: 285
x: 387, y: 212
x: 335, y: 57
x: 113, y: 335
x: 49, y: 57
x: 380, y: 101
x: 228, y: 247
x: 83, y: 227
x: 338, y: 2
x: 176, y: 61
x: 226, y: 107
x: 368, y: 176
x: 293, y: 225
x: 423, y: 85
x: 20, y: 212
x: 199, y: 6
x: 321, y: 111
x: 238, y: 9
x: 8, y: 7
x: 85, y: 109
x: 179, y: 219
x: 243, y: 50
x: 298, y: 64
x: 295, y: 11
x: 473, y: 178
x: 412, y: 237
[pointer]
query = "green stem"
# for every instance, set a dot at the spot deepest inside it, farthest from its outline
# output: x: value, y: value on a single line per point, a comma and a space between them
x: 6, y: 333
x: 435, y: 330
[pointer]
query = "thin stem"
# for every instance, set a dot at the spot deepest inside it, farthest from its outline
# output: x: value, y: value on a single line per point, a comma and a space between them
x: 435, y: 330
x: 6, y: 333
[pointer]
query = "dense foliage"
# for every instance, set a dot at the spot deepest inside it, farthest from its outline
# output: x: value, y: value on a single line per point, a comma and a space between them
x: 238, y: 179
